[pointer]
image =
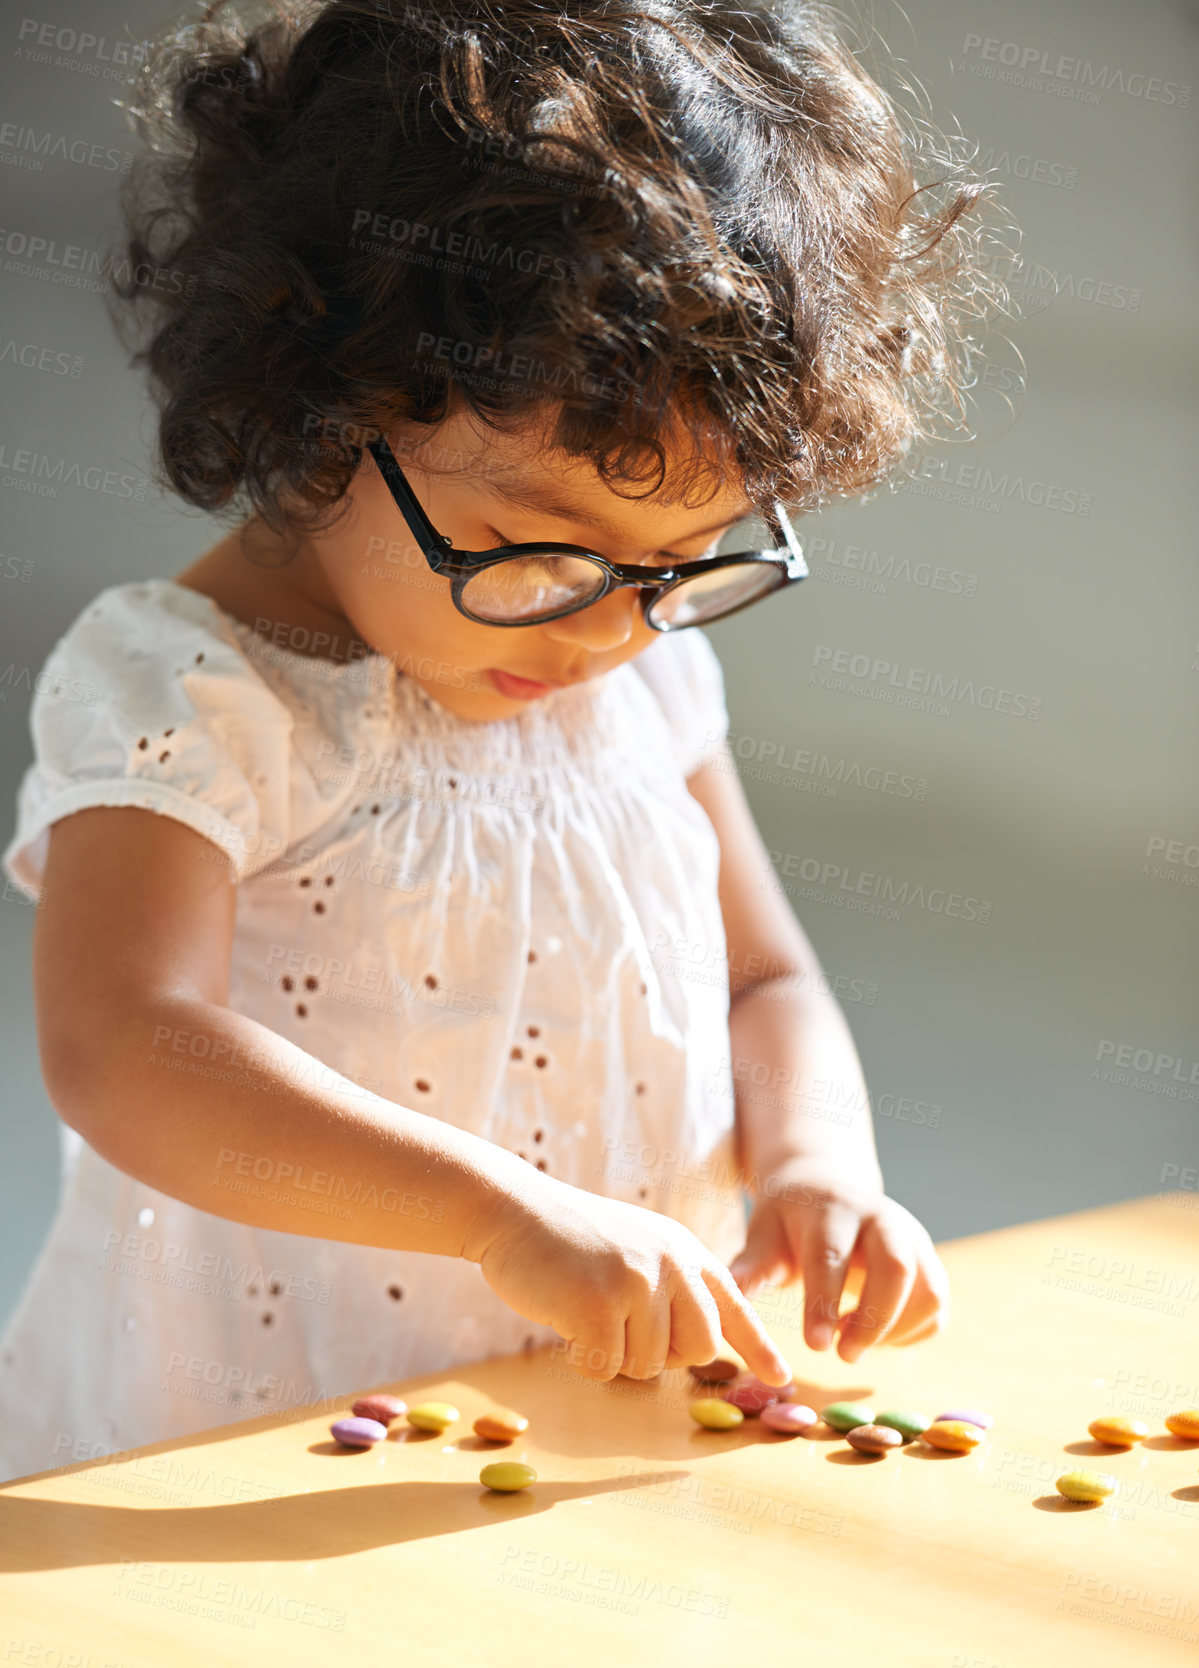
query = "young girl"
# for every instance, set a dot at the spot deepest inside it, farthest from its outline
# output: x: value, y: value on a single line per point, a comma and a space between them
x: 406, y: 953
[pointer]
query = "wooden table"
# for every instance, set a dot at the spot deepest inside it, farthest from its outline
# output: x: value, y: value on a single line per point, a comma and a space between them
x: 647, y: 1540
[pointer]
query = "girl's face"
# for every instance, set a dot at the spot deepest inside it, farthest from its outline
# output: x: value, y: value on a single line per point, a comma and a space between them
x: 368, y: 573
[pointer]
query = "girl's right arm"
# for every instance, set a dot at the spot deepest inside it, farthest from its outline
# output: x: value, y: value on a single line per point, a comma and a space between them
x: 143, y: 1057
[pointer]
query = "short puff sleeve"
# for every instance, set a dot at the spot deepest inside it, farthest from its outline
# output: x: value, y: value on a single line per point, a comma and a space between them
x: 686, y: 678
x: 146, y: 702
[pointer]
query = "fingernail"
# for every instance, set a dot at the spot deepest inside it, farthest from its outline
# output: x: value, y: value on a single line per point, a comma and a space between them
x: 822, y: 1335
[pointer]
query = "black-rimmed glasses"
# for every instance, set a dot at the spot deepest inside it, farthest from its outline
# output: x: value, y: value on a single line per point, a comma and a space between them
x: 528, y: 584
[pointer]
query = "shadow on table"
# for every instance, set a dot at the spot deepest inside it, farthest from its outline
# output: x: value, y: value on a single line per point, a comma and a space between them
x: 326, y: 1523
x: 331, y: 1522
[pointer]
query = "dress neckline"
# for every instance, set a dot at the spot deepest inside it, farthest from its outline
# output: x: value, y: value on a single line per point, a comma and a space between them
x: 246, y: 631
x: 384, y: 680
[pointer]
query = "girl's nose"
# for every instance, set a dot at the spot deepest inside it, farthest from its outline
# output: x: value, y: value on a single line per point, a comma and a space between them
x: 606, y: 624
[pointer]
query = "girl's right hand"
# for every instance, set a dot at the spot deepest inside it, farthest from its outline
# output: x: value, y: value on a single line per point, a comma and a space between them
x: 631, y: 1290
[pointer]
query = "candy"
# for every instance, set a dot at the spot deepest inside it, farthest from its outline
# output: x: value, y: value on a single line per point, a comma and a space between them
x: 358, y: 1433
x: 382, y: 1408
x: 908, y: 1424
x: 715, y: 1372
x: 500, y: 1425
x: 777, y: 1392
x: 873, y: 1439
x: 432, y: 1416
x: 956, y: 1436
x: 968, y: 1416
x: 1118, y: 1433
x: 1086, y: 1485
x: 749, y: 1394
x: 506, y: 1476
x: 788, y: 1418
x: 716, y: 1415
x: 1185, y: 1425
x: 843, y: 1416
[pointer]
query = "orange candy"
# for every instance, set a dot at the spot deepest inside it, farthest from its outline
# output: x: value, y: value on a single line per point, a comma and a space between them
x: 500, y: 1425
x: 1118, y: 1433
x: 954, y: 1435
x: 1185, y: 1424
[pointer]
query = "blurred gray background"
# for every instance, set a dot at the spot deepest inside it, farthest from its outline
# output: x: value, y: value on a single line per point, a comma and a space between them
x: 1054, y: 560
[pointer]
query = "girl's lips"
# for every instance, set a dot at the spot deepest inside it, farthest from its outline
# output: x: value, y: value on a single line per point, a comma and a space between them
x: 518, y: 689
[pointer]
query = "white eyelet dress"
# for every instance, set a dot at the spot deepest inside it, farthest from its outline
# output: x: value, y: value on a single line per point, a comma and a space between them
x: 512, y: 926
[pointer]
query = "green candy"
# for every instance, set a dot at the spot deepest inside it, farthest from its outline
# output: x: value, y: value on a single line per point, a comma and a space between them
x: 909, y: 1425
x: 843, y: 1416
x: 506, y: 1476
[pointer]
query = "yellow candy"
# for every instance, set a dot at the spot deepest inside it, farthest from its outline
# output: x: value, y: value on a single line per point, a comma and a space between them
x: 954, y: 1435
x: 1086, y: 1485
x: 1118, y: 1433
x: 432, y: 1416
x: 1185, y: 1424
x: 715, y: 1414
x: 506, y: 1476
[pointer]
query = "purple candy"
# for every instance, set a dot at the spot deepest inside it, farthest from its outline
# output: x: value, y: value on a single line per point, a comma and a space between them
x: 970, y: 1416
x: 358, y: 1433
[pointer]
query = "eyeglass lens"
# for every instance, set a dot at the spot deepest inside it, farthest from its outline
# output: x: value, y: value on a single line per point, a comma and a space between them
x: 529, y: 588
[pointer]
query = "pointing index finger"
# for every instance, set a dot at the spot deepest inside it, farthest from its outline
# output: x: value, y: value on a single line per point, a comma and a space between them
x: 743, y: 1328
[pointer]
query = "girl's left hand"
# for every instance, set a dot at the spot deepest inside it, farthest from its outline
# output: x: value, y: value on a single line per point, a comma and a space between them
x: 815, y: 1224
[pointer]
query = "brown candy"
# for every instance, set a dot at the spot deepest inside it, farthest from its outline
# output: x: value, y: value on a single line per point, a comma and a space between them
x: 500, y: 1425
x: 715, y: 1372
x: 382, y: 1408
x: 873, y: 1439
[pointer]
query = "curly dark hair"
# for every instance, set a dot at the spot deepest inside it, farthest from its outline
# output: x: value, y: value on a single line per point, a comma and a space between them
x: 644, y: 212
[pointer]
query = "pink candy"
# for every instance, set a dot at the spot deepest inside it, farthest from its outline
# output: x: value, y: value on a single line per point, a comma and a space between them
x: 383, y: 1409
x: 749, y: 1394
x: 789, y: 1418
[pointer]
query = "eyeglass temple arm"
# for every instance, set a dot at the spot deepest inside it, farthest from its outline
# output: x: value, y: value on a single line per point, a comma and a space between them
x: 432, y: 542
x: 795, y: 549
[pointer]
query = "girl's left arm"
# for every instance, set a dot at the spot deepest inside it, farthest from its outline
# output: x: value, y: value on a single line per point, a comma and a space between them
x: 805, y: 1139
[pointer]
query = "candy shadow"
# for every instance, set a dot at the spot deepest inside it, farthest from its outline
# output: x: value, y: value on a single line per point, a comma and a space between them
x: 1059, y: 1503
x: 1169, y: 1444
x: 1099, y: 1450
x: 853, y: 1456
x: 1189, y: 1493
x: 923, y: 1451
